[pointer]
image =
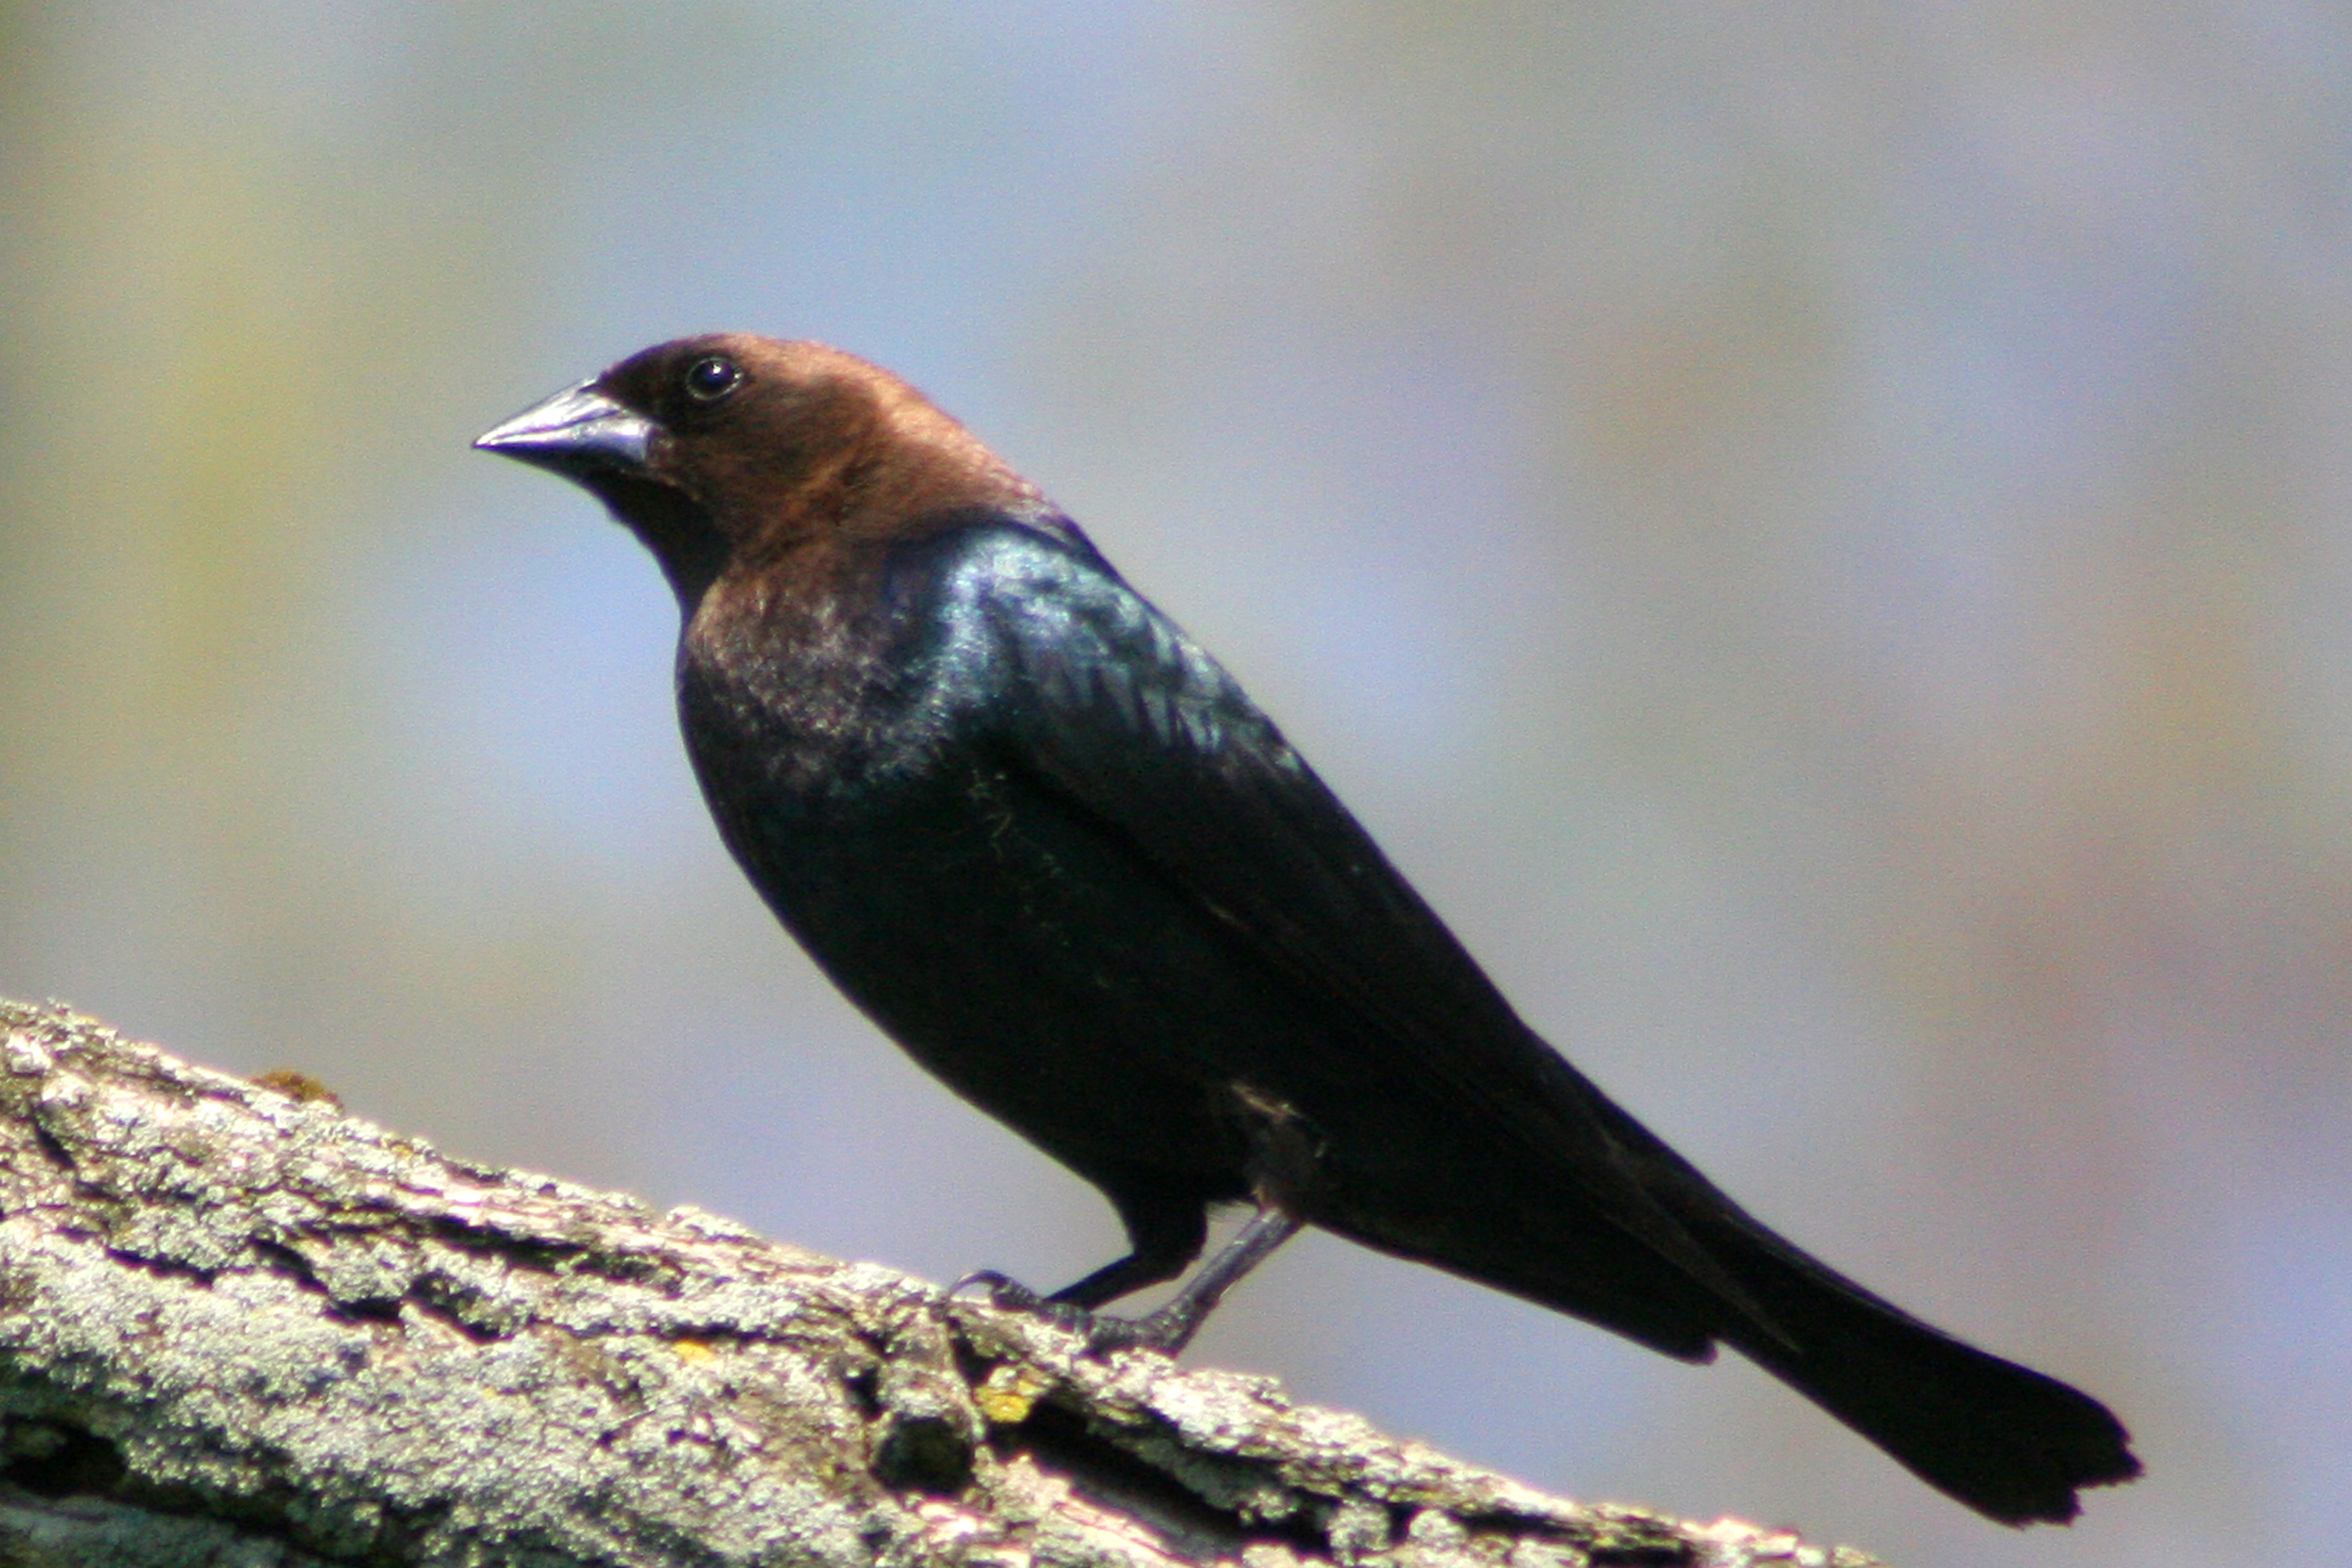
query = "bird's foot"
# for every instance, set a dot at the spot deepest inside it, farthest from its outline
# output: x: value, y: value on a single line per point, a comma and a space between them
x: 1003, y: 1290
x: 1152, y: 1332
x: 1104, y: 1333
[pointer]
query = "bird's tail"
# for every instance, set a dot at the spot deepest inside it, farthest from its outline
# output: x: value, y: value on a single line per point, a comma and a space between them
x: 2002, y: 1439
x: 1664, y: 1256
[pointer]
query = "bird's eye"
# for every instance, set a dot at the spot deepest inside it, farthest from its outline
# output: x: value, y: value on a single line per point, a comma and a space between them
x: 712, y: 377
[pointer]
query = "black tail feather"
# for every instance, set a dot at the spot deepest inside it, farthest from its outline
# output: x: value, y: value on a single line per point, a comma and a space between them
x: 2006, y: 1440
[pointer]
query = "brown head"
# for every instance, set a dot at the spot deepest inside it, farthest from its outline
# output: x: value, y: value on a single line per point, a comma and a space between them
x: 730, y: 451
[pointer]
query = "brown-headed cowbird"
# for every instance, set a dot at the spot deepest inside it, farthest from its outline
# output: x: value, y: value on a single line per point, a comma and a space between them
x: 1045, y: 843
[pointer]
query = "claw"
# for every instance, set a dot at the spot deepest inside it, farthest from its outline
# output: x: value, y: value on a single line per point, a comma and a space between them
x: 997, y: 1290
x: 1003, y: 1290
x: 1167, y: 1331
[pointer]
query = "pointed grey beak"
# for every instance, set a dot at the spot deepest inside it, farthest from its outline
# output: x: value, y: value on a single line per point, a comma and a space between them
x: 577, y: 432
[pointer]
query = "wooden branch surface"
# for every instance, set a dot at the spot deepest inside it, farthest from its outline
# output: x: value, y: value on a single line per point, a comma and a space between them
x: 241, y: 1329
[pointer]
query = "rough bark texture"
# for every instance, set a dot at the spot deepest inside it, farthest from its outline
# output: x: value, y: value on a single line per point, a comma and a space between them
x: 241, y: 1329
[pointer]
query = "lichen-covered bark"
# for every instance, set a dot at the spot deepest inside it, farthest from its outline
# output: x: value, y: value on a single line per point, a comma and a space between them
x: 240, y: 1329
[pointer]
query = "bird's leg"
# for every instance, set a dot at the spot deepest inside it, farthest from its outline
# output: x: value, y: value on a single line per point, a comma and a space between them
x: 1165, y: 1231
x: 1172, y: 1327
x: 1285, y: 1154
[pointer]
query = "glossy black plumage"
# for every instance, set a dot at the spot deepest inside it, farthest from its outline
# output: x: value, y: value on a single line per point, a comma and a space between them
x: 1053, y: 850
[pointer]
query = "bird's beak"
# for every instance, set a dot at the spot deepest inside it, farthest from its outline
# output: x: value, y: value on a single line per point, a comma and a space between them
x: 577, y: 432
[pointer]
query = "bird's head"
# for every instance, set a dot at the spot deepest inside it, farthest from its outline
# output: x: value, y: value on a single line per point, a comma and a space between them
x: 730, y: 450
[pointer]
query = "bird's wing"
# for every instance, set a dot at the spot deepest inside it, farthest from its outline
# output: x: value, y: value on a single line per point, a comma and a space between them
x: 1108, y: 704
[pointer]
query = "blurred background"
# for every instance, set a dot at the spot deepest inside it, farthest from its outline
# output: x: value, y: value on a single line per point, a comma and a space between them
x: 1816, y: 533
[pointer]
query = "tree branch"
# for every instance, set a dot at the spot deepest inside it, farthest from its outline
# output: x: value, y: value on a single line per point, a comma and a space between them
x: 240, y: 1327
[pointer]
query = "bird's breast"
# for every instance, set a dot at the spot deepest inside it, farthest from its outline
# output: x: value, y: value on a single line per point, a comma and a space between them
x: 1000, y: 937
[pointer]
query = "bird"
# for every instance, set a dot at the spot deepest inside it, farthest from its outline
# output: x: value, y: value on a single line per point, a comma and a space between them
x: 1044, y: 842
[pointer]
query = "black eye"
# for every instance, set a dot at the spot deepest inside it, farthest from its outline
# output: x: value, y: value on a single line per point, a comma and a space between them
x: 712, y: 377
